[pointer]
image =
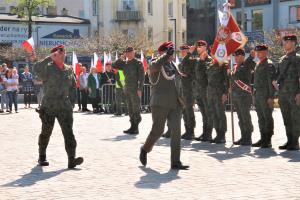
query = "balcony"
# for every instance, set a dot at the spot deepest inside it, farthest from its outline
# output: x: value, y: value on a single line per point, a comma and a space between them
x: 128, y: 15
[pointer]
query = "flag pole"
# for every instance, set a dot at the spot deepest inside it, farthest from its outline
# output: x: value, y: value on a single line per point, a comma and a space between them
x: 230, y: 96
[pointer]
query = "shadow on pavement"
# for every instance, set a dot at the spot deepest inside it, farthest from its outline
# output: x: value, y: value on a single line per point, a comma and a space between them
x: 293, y: 156
x: 35, y: 175
x: 153, y: 179
x: 265, y: 153
x: 121, y: 138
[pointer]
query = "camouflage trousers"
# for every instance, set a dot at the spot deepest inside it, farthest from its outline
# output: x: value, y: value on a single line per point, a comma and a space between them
x: 65, y: 120
x: 216, y: 111
x: 133, y: 105
x: 188, y: 111
x: 291, y: 114
x: 242, y: 103
x: 264, y: 114
x: 202, y: 102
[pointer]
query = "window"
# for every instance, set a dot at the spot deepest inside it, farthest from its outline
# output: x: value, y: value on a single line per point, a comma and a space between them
x: 239, y: 20
x: 170, y: 35
x: 183, y: 37
x: 150, y: 7
x: 128, y: 5
x: 2, y: 9
x: 95, y: 7
x: 81, y: 14
x: 257, y: 20
x: 184, y: 10
x: 294, y: 14
x: 51, y: 10
x: 150, y: 33
x: 170, y: 8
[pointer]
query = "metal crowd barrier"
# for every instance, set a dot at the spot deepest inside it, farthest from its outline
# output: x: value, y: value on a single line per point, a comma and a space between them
x: 108, y: 98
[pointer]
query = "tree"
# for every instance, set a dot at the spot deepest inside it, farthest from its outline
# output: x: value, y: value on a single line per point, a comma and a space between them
x: 27, y: 9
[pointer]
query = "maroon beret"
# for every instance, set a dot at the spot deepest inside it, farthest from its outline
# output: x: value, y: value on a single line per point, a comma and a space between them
x: 58, y: 47
x: 164, y: 46
x: 261, y: 47
x: 291, y: 37
x: 129, y: 49
x: 239, y: 52
x: 184, y: 47
x: 201, y: 43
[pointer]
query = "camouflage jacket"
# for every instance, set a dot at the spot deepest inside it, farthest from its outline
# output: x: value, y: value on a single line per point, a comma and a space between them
x: 264, y: 75
x: 59, y: 85
x: 133, y: 72
x: 217, y: 78
x: 289, y: 74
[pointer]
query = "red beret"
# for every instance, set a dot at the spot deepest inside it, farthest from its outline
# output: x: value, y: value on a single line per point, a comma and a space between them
x: 239, y: 52
x: 129, y: 49
x: 58, y: 47
x: 184, y: 47
x: 201, y: 43
x: 291, y: 37
x: 261, y: 47
x: 164, y: 46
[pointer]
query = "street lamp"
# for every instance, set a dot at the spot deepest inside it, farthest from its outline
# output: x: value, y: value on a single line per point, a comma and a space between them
x: 175, y: 30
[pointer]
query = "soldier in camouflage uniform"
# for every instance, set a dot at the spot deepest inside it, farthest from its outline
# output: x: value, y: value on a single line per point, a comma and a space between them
x: 217, y: 91
x: 186, y: 68
x: 242, y: 94
x: 264, y: 81
x: 58, y: 102
x: 134, y: 81
x: 289, y: 92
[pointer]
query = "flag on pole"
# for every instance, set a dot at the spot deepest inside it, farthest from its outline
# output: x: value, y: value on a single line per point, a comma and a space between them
x: 28, y: 45
x: 109, y: 57
x: 229, y: 36
x: 97, y: 63
x: 144, y: 61
x: 177, y: 60
x: 76, y: 68
x: 116, y: 56
x: 106, y: 60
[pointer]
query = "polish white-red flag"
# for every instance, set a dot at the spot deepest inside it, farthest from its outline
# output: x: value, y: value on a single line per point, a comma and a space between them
x: 97, y: 63
x: 105, y: 60
x: 144, y: 61
x: 229, y: 36
x: 75, y: 64
x: 28, y: 45
x: 117, y: 57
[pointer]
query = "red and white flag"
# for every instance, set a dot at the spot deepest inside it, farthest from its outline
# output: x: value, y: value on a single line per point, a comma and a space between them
x: 144, y: 61
x: 28, y: 45
x: 229, y: 36
x: 76, y: 68
x: 105, y: 60
x: 97, y: 63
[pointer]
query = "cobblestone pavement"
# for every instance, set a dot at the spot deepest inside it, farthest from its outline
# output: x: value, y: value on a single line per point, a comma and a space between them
x: 112, y: 170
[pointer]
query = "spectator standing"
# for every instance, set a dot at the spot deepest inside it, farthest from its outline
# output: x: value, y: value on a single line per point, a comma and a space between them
x: 94, y: 84
x: 3, y: 92
x: 27, y: 86
x: 11, y: 82
x: 84, y: 91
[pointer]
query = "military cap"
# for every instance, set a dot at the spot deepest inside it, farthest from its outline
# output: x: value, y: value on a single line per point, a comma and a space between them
x: 239, y: 52
x: 201, y: 43
x: 290, y: 37
x: 129, y: 49
x: 164, y: 46
x: 184, y: 47
x: 261, y: 47
x: 58, y: 47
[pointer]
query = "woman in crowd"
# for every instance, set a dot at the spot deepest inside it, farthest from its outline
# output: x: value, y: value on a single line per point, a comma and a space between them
x: 27, y: 85
x: 11, y: 83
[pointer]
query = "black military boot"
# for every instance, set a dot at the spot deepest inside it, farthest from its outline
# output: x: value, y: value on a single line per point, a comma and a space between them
x: 73, y: 162
x: 189, y: 134
x: 294, y: 145
x: 130, y: 129
x: 238, y: 142
x: 220, y: 138
x: 246, y: 141
x: 284, y: 146
x: 167, y: 134
x: 266, y: 142
x: 143, y: 156
x: 259, y: 142
x: 134, y: 130
x: 42, y: 161
x: 179, y: 166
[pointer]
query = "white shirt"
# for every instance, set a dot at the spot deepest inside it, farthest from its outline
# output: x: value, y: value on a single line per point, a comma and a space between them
x: 83, y: 80
x: 11, y: 81
x: 97, y: 82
